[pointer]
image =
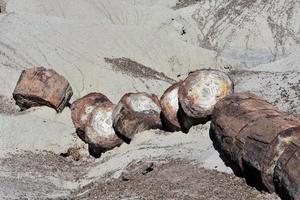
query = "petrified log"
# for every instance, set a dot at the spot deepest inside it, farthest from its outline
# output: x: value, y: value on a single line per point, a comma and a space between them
x: 135, y: 113
x: 248, y: 130
x: 42, y: 87
x: 83, y: 107
x: 169, y: 108
x: 99, y: 132
x: 281, y: 148
x: 287, y: 176
x: 199, y: 93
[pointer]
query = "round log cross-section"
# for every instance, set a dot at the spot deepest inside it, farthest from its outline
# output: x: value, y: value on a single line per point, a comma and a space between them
x: 135, y: 113
x: 169, y: 108
x: 199, y: 93
x: 253, y: 136
x: 83, y: 107
x: 99, y: 132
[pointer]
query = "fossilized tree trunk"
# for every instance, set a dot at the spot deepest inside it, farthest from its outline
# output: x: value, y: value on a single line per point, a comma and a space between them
x: 256, y: 137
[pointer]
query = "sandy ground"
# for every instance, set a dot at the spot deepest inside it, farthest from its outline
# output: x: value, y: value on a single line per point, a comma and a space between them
x: 119, y: 46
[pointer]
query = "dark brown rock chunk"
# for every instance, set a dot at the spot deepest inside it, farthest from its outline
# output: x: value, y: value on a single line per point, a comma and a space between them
x: 199, y: 93
x: 136, y: 112
x: 99, y: 132
x: 169, y: 107
x: 42, y: 87
x: 83, y: 107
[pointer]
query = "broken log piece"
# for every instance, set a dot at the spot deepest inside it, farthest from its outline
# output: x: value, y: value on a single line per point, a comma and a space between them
x: 136, y: 112
x: 231, y: 115
x: 42, y: 87
x: 284, y: 145
x: 199, y: 93
x: 287, y: 176
x: 169, y: 107
x: 99, y: 132
x: 83, y: 107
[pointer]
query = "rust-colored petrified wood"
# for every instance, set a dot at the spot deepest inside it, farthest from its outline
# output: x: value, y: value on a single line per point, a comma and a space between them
x: 169, y: 108
x: 82, y: 109
x: 42, y: 87
x: 199, y: 93
x: 252, y: 134
x: 287, y: 173
x: 135, y: 113
x: 99, y: 132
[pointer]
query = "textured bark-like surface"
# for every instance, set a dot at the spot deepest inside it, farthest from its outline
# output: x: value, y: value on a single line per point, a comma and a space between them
x: 253, y: 135
x: 201, y: 90
x: 136, y: 112
x: 99, y: 132
x: 83, y: 107
x: 259, y: 136
x: 169, y: 107
x: 233, y: 114
x: 42, y: 87
x: 287, y: 176
x: 282, y: 146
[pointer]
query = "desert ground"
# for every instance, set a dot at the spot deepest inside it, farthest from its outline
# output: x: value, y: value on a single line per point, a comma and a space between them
x: 120, y: 46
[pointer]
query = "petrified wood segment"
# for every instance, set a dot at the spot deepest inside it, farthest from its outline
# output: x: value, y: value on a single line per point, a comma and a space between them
x: 169, y: 107
x: 233, y: 114
x: 99, y: 132
x: 287, y: 176
x: 135, y: 113
x: 201, y: 90
x: 83, y: 107
x: 42, y: 87
x: 283, y: 146
x: 253, y: 135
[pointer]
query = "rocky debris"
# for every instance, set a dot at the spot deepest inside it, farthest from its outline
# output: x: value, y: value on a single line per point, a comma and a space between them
x: 174, y: 179
x: 136, y: 112
x: 42, y: 87
x: 254, y: 136
x: 83, y: 107
x: 99, y: 132
x: 136, y: 168
x: 199, y: 93
x: 169, y: 107
x: 7, y: 106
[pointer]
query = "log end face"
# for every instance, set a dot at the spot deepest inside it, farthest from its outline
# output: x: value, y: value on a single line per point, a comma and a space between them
x: 136, y: 112
x: 99, y: 132
x: 82, y: 108
x: 201, y: 90
x: 170, y: 106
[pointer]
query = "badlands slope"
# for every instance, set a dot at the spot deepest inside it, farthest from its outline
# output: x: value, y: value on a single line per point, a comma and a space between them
x: 119, y: 46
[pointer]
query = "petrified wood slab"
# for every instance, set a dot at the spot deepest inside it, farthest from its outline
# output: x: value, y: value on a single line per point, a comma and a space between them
x: 135, y: 113
x: 99, y: 132
x: 169, y: 107
x: 42, y: 87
